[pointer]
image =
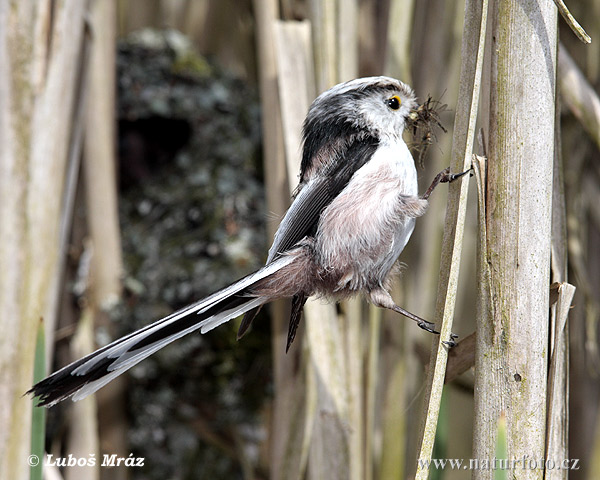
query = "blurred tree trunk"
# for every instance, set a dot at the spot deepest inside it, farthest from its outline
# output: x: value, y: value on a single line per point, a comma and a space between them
x: 40, y: 46
x: 103, y: 225
x: 512, y: 334
x: 286, y: 375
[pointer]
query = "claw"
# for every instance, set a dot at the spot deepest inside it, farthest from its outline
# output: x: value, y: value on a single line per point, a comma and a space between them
x: 451, y: 343
x: 428, y: 326
x: 443, y: 177
x: 453, y: 176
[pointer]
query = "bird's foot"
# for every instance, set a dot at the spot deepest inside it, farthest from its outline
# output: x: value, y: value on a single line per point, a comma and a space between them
x: 444, y: 177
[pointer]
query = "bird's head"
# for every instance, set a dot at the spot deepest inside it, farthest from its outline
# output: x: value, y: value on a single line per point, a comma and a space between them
x: 377, y: 106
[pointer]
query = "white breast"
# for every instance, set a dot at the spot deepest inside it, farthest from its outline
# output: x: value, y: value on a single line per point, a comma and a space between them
x: 366, y: 227
x: 394, y: 163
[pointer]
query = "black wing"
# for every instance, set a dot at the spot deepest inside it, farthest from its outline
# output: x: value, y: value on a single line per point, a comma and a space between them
x: 302, y: 218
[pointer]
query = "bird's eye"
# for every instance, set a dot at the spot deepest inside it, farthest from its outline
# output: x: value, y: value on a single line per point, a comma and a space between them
x: 394, y: 102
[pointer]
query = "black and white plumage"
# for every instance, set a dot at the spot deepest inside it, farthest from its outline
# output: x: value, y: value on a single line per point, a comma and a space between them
x: 353, y: 213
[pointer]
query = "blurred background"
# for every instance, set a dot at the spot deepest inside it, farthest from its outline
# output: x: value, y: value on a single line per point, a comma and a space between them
x: 174, y: 178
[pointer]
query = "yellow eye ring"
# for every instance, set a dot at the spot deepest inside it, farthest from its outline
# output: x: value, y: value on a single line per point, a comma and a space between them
x: 394, y: 102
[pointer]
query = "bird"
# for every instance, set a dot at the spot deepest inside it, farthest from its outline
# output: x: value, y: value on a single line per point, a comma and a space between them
x: 351, y: 216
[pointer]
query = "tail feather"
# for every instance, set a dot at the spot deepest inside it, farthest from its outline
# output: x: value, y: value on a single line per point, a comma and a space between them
x: 247, y: 320
x: 86, y: 375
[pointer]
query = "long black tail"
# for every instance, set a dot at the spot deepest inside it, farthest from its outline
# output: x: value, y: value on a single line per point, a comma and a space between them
x: 86, y: 375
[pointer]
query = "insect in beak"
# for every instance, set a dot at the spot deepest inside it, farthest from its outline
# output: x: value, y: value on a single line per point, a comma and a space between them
x: 422, y: 122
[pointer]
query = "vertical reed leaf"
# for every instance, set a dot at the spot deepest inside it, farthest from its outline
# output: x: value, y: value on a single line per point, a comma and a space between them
x: 38, y: 414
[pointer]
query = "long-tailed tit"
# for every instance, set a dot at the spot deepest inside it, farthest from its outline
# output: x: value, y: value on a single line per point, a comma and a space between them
x: 352, y: 215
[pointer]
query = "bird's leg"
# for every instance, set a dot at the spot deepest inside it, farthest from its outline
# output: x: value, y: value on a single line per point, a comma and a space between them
x: 421, y: 322
x: 443, y: 177
x: 381, y: 298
